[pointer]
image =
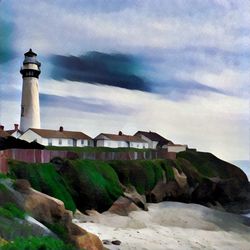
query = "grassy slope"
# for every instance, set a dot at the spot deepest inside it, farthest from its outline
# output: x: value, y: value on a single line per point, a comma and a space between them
x: 44, y: 178
x: 208, y: 165
x: 96, y: 184
x: 142, y: 174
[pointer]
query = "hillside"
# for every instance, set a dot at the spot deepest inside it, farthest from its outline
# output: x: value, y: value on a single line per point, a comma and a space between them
x: 87, y: 184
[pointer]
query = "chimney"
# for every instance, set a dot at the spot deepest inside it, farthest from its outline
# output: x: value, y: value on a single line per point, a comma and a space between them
x: 16, y: 126
x: 61, y: 129
x: 2, y: 127
x: 120, y: 133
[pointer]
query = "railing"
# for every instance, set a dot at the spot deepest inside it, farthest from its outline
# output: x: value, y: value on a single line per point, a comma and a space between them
x: 43, y: 156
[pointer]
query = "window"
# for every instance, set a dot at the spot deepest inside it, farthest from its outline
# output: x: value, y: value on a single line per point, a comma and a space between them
x: 50, y: 141
x: 89, y: 143
x: 70, y: 142
x: 82, y: 142
x: 22, y: 111
x: 60, y: 141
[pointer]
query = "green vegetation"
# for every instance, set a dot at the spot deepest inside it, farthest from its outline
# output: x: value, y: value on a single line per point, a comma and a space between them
x: 206, y: 164
x: 142, y: 174
x: 59, y: 229
x: 10, y: 210
x: 37, y: 243
x: 96, y: 149
x: 44, y: 178
x: 2, y: 187
x: 94, y: 184
x: 3, y: 176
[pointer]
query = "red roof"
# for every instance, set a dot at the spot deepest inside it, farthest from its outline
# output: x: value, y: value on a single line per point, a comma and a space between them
x: 128, y: 138
x: 4, y: 134
x: 10, y: 132
x: 49, y: 133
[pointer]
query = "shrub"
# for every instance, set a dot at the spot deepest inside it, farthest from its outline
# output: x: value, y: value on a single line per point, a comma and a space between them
x: 37, y: 243
x: 44, y: 178
x: 10, y: 210
x: 93, y: 184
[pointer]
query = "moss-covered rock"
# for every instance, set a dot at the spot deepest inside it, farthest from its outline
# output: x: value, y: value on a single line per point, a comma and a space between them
x: 44, y: 178
x: 93, y: 184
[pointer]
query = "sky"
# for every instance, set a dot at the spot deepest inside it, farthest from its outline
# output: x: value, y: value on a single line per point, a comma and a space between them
x: 180, y: 68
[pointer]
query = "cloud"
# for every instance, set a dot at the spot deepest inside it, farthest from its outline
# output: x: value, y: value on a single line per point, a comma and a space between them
x: 6, y: 41
x: 99, y: 68
x: 120, y: 70
x: 82, y: 104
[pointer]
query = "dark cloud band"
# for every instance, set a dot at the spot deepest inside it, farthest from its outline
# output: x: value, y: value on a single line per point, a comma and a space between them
x: 99, y: 68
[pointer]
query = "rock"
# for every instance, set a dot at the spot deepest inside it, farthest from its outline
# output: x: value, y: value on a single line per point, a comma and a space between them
x: 106, y: 242
x: 116, y: 242
x: 46, y: 208
x: 49, y: 210
x: 22, y: 185
x: 181, y: 179
x: 140, y: 200
x: 163, y: 191
x: 123, y: 206
x: 84, y: 240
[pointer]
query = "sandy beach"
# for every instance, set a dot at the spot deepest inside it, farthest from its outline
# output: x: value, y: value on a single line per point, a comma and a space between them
x: 170, y: 225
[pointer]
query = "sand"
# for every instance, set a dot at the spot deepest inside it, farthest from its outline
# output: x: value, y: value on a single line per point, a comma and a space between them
x: 171, y: 225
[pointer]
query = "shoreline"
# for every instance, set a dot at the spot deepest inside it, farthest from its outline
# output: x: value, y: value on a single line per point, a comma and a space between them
x: 170, y: 225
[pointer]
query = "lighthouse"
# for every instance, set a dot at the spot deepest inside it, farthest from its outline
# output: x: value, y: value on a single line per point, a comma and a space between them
x: 30, y: 109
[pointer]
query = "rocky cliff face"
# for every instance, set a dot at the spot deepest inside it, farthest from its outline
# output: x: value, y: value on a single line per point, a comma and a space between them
x: 56, y: 220
x: 193, y: 177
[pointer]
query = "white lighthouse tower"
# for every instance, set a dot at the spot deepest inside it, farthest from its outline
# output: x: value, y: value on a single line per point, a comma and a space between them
x: 30, y: 109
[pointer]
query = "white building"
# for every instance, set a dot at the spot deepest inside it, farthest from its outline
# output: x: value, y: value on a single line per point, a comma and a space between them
x: 154, y: 140
x: 177, y: 148
x: 157, y: 141
x: 60, y: 138
x: 15, y: 132
x: 120, y: 141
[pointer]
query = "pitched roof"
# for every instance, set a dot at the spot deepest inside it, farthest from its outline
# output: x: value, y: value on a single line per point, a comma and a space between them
x: 49, y: 133
x: 10, y: 132
x: 129, y: 138
x: 4, y: 134
x: 153, y: 136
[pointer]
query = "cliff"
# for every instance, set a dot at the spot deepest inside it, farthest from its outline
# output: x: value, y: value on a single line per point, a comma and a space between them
x: 87, y: 184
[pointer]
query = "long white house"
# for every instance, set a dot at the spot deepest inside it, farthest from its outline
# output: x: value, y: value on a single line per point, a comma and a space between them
x: 119, y: 141
x: 60, y: 138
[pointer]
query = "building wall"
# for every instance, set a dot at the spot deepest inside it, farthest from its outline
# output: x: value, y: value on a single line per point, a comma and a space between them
x: 120, y: 144
x: 16, y: 134
x: 30, y: 110
x: 111, y: 144
x: 177, y: 148
x: 151, y: 144
x: 30, y: 136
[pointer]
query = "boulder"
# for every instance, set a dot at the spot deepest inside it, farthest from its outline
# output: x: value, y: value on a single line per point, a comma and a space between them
x: 164, y: 190
x: 139, y: 200
x: 123, y: 206
x: 83, y: 239
x: 49, y: 210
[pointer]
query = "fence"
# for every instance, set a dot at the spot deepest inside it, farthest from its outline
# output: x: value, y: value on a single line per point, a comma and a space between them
x: 43, y: 156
